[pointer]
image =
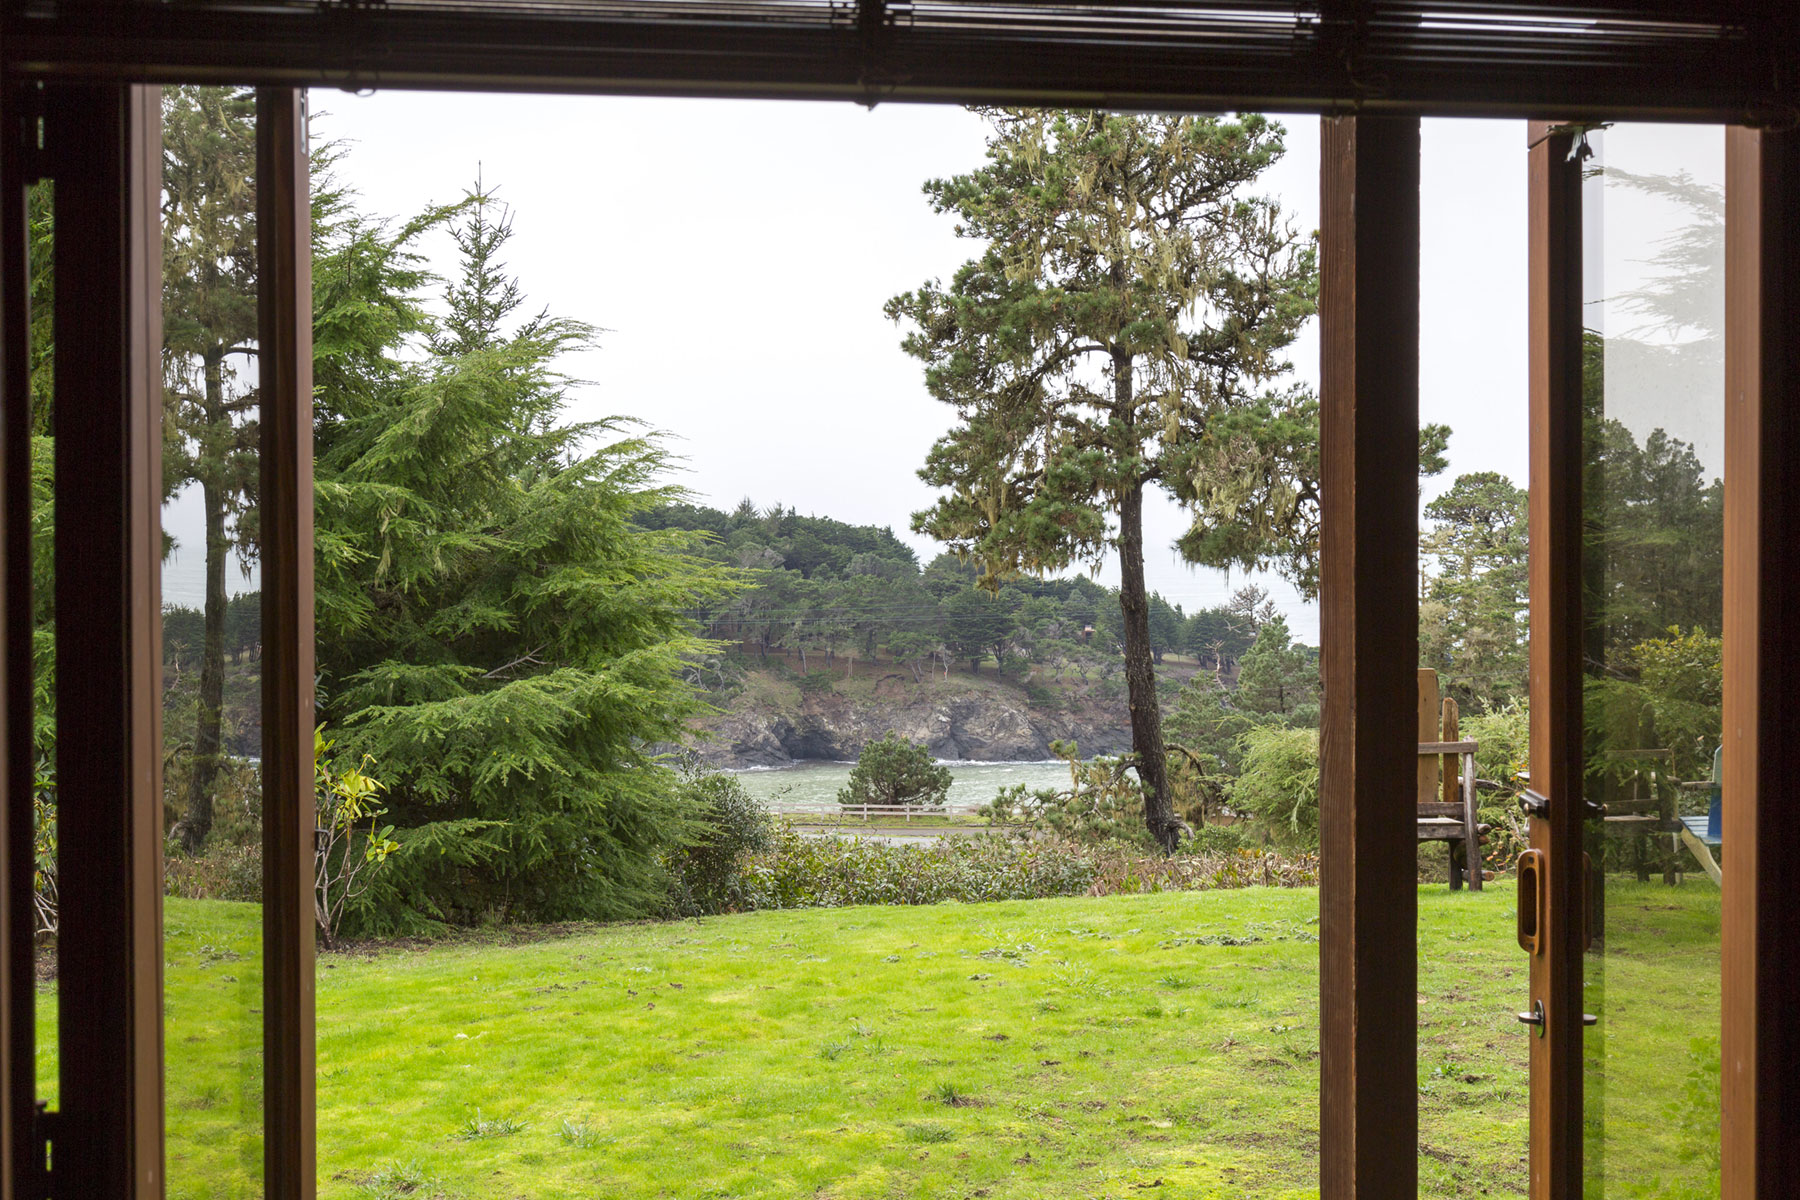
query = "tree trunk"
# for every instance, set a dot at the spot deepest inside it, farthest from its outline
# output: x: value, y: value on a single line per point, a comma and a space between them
x: 197, y: 822
x: 1140, y: 670
x: 1140, y: 675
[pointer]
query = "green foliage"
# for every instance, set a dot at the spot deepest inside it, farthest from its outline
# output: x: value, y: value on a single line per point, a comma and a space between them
x: 706, y: 875
x: 1279, y: 679
x: 976, y: 625
x: 817, y: 683
x: 1126, y: 249
x: 893, y: 770
x: 1103, y: 803
x: 45, y: 910
x: 1667, y: 694
x: 1503, y: 755
x: 1279, y: 786
x: 1472, y: 618
x: 496, y: 628
x: 1127, y: 241
x: 351, y: 846
x: 210, y: 434
x: 802, y: 872
x: 1206, y: 727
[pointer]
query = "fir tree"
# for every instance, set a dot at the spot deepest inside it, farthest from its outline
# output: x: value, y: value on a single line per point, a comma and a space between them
x: 1279, y: 679
x: 495, y: 627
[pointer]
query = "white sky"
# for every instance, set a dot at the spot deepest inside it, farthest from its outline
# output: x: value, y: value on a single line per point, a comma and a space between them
x: 738, y: 253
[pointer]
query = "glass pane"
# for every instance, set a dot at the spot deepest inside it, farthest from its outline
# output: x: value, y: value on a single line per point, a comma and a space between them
x: 1654, y: 435
x: 212, y: 724
x: 43, y: 599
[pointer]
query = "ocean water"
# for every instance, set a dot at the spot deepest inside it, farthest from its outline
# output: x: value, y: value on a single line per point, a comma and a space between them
x: 813, y: 786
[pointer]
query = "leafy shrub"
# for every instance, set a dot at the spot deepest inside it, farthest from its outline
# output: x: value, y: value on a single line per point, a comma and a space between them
x: 221, y: 871
x: 1279, y: 786
x: 801, y: 872
x: 46, y: 912
x: 892, y: 770
x: 228, y: 865
x: 1103, y: 803
x: 707, y: 874
x: 1503, y: 740
x: 816, y: 683
x: 349, y: 847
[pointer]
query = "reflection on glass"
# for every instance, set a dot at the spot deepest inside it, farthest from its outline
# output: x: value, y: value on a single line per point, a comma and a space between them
x: 212, y: 723
x: 43, y: 638
x: 1654, y: 395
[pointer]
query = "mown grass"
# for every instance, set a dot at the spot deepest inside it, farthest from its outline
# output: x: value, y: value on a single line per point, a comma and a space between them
x: 1152, y: 1044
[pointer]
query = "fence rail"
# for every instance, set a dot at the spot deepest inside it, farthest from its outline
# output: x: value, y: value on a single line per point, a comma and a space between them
x: 837, y: 813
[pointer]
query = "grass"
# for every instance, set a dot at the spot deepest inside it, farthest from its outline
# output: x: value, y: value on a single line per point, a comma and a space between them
x: 1082, y: 1047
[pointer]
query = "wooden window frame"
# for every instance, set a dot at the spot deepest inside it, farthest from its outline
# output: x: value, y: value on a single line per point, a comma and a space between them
x: 284, y: 342
x: 112, y: 1134
x: 1554, y: 286
x: 1369, y: 643
x: 1760, y: 1151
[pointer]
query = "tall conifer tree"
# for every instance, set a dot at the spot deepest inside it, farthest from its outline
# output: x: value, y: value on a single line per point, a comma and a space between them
x: 495, y: 627
x: 209, y: 401
x: 1121, y: 331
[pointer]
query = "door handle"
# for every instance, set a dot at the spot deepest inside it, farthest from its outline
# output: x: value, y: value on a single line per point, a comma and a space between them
x: 1530, y: 903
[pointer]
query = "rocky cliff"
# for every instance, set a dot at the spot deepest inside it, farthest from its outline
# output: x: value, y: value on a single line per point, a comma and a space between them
x: 771, y: 726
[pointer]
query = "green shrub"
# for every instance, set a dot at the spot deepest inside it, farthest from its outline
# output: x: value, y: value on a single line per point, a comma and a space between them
x: 1103, y: 803
x: 707, y: 874
x: 221, y: 871
x: 892, y: 770
x: 815, y: 683
x: 1279, y: 786
x: 801, y: 872
x: 1503, y: 741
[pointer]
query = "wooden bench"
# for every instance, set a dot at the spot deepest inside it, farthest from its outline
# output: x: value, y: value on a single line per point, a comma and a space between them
x: 1446, y: 785
x: 1641, y: 806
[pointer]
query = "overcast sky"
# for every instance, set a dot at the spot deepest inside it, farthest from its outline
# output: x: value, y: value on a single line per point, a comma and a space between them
x: 737, y: 255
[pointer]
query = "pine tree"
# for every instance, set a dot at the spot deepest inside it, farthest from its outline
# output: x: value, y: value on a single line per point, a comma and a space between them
x: 1279, y: 679
x: 495, y: 628
x: 209, y: 333
x: 1133, y: 295
x: 1472, y: 616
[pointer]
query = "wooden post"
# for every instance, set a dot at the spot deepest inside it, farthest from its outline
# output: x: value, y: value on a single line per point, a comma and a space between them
x: 1369, y: 638
x: 106, y: 148
x: 18, y: 925
x: 1760, y: 819
x: 1555, y: 284
x: 284, y: 342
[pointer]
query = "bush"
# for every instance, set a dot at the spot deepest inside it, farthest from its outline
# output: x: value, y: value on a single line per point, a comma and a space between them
x: 708, y: 874
x: 803, y: 872
x: 1103, y: 803
x: 1279, y: 786
x: 892, y: 770
x: 816, y: 683
x: 221, y: 871
x: 1503, y: 738
x: 351, y: 846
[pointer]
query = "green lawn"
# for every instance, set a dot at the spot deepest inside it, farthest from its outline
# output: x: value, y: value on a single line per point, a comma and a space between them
x: 1085, y: 1047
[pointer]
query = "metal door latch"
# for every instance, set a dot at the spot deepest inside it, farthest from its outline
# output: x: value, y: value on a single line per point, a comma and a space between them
x: 1536, y: 1017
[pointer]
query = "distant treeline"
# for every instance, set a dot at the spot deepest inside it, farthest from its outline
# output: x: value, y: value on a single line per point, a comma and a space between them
x: 825, y: 590
x: 184, y: 632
